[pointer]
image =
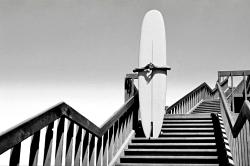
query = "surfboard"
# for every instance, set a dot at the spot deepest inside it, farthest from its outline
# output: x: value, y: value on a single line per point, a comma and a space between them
x: 152, y: 83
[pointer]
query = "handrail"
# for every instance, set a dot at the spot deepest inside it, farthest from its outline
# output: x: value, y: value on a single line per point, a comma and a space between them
x: 25, y: 129
x: 99, y: 145
x: 203, y: 85
x: 187, y: 95
x: 242, y: 117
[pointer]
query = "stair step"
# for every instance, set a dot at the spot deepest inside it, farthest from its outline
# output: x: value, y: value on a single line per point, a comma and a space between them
x: 210, y: 104
x: 207, y: 109
x: 174, y: 140
x: 169, y: 159
x: 194, y: 113
x: 190, y: 116
x: 187, y: 134
x: 171, y: 152
x: 166, y: 164
x: 187, y: 129
x: 172, y: 145
x: 187, y: 115
x: 199, y: 125
x: 202, y: 112
x: 187, y: 121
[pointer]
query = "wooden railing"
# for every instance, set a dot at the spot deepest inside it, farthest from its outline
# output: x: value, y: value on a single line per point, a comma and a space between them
x: 92, y: 145
x: 237, y: 124
x: 241, y: 91
x: 192, y: 99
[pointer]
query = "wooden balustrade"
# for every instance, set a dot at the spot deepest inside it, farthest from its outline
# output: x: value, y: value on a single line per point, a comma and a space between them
x: 87, y: 145
x: 192, y: 99
x: 240, y: 93
x: 237, y: 129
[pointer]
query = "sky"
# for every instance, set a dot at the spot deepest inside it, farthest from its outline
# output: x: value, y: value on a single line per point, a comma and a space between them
x: 79, y: 51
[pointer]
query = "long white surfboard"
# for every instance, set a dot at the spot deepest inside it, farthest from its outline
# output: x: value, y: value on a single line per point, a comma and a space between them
x: 152, y: 83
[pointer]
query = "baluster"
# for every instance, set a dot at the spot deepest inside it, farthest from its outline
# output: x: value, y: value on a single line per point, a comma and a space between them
x: 116, y: 131
x: 34, y: 148
x: 15, y: 155
x: 111, y: 144
x: 189, y: 103
x: 181, y: 107
x: 183, y: 102
x: 105, y: 149
x: 123, y: 129
x: 120, y: 133
x: 196, y: 97
x: 126, y: 133
x: 232, y: 98
x: 48, y: 144
x: 130, y: 120
x: 99, y: 150
x: 92, y: 150
x: 186, y: 105
x: 59, y: 141
x: 69, y: 143
x: 192, y: 102
x: 85, y: 149
x: 193, y: 99
x: 78, y: 146
x: 245, y: 88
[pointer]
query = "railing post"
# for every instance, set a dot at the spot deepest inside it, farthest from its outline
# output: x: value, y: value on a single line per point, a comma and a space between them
x: 245, y: 88
x: 232, y: 98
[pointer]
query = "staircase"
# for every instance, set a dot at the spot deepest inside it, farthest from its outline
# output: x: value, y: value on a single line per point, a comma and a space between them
x: 186, y: 140
x: 210, y: 106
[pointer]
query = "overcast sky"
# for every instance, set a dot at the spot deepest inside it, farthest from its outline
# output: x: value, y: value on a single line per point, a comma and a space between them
x: 80, y: 51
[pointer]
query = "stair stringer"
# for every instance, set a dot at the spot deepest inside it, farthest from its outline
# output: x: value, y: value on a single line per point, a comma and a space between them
x: 192, y: 109
x: 225, y: 140
x: 124, y: 146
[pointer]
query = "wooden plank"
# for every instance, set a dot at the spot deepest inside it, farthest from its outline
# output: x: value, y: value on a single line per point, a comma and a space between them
x: 78, y: 144
x: 134, y: 76
x: 248, y: 142
x: 116, y: 130
x: 111, y: 144
x: 85, y: 149
x: 15, y: 155
x: 92, y: 149
x: 69, y: 143
x: 59, y: 141
x: 121, y: 150
x: 99, y: 149
x: 34, y: 149
x: 245, y: 144
x: 105, y: 148
x: 241, y: 148
x: 234, y: 73
x: 48, y: 144
x: 27, y: 128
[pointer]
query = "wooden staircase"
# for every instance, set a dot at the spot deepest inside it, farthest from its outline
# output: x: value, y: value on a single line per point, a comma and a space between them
x: 210, y: 106
x: 186, y: 139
